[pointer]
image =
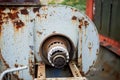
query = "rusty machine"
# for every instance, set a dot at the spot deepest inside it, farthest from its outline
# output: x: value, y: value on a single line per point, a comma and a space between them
x: 55, y: 35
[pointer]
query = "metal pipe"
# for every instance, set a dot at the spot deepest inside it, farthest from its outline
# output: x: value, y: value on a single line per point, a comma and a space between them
x: 11, y: 70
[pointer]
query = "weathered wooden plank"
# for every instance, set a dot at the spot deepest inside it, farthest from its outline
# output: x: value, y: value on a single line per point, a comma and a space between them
x: 98, y: 14
x: 115, y: 20
x: 106, y: 14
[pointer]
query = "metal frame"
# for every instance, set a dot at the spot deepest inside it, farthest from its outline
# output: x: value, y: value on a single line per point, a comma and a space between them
x: 110, y: 44
x: 106, y: 42
x: 23, y: 30
x: 75, y: 71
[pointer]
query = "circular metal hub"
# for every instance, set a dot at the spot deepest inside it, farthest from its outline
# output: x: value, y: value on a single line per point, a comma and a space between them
x: 56, y: 51
x: 59, y: 61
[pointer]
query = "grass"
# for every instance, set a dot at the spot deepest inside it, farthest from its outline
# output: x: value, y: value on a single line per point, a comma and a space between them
x: 79, y: 4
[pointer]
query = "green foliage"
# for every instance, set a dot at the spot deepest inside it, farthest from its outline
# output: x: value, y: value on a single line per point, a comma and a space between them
x: 79, y: 4
x: 52, y: 2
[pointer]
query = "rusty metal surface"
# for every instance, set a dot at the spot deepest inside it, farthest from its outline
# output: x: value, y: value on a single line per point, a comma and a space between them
x: 42, y: 70
x: 107, y: 66
x: 23, y: 29
x: 110, y: 44
x: 56, y: 49
x: 3, y: 74
x: 74, y: 69
x: 80, y: 30
x: 22, y: 3
x: 16, y: 41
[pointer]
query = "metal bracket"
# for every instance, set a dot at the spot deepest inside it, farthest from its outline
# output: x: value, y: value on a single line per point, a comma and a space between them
x: 75, y: 71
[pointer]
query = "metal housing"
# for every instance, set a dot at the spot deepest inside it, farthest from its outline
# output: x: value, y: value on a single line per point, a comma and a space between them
x: 23, y: 30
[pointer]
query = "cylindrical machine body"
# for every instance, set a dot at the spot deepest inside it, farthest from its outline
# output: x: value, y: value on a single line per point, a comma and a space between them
x: 52, y: 34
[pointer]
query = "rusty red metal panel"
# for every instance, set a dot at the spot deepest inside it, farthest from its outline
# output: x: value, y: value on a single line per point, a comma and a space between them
x: 107, y: 42
x: 89, y: 9
x: 110, y: 44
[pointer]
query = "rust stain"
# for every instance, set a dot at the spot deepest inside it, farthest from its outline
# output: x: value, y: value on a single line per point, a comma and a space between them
x: 18, y: 24
x: 82, y: 73
x: 16, y: 65
x: 42, y: 16
x: 24, y: 11
x: 88, y: 71
x: 45, y: 16
x: 74, y: 10
x: 21, y: 65
x: 31, y: 52
x: 80, y: 44
x: 76, y: 74
x: 38, y: 15
x: 2, y: 9
x: 31, y: 71
x: 2, y: 14
x: 3, y: 61
x: 44, y: 8
x: 90, y: 46
x: 117, y: 75
x: 13, y: 8
x: 81, y: 40
x: 36, y: 10
x: 81, y: 56
x: 13, y: 16
x: 107, y: 68
x: 0, y: 28
x: 16, y: 77
x: 39, y: 33
x: 86, y: 23
x: 80, y: 23
x: 74, y: 18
